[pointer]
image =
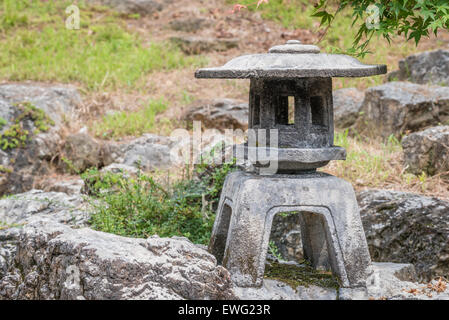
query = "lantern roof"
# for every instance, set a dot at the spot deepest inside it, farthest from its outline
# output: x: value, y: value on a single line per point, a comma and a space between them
x: 292, y: 60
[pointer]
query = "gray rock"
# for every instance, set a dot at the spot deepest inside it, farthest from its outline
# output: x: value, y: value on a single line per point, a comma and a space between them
x: 147, y: 152
x: 68, y: 186
x: 142, y: 7
x: 401, y: 107
x: 191, y: 24
x: 277, y: 290
x: 219, y: 114
x: 82, y: 152
x: 394, y: 281
x: 407, y: 228
x: 32, y: 160
x: 120, y: 168
x: 390, y: 281
x: 427, y: 151
x: 347, y: 105
x: 430, y: 67
x: 42, y: 258
x: 36, y: 205
x: 197, y: 44
x: 58, y: 102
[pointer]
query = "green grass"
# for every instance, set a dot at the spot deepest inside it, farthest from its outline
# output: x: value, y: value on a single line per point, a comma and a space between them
x: 379, y: 164
x: 103, y: 53
x: 123, y: 123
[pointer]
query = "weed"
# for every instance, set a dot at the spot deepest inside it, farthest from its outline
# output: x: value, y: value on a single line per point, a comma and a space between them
x: 140, y: 207
x: 273, y: 249
x: 15, y: 135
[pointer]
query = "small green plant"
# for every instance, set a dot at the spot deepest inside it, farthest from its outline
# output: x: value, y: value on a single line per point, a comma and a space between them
x: 4, y: 169
x: 138, y: 206
x: 3, y: 122
x: 4, y: 225
x: 274, y: 250
x: 70, y: 165
x: 15, y: 135
x: 124, y: 123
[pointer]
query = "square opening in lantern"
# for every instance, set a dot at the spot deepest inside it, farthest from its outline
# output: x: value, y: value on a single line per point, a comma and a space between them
x: 256, y: 110
x: 291, y: 110
x: 318, y: 111
x: 285, y: 110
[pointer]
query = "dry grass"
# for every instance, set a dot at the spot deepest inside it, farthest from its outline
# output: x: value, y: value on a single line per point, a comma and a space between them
x: 376, y: 164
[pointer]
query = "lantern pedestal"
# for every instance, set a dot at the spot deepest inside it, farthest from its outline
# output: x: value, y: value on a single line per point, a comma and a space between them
x: 331, y: 228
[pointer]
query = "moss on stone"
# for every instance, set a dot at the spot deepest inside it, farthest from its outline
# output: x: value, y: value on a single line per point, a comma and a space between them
x: 16, y: 136
x: 3, y: 122
x: 4, y: 169
x: 300, y: 275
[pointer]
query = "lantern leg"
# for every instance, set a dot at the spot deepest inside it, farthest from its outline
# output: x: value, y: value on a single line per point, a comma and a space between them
x: 331, y: 227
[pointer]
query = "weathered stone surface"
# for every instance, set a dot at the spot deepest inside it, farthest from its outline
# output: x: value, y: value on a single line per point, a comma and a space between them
x: 38, y: 205
x: 277, y: 290
x: 142, y: 7
x: 191, y: 24
x: 286, y: 236
x: 70, y: 186
x: 58, y: 102
x: 197, y: 44
x: 42, y: 256
x: 347, y: 105
x: 401, y: 107
x: 82, y: 151
x: 390, y: 281
x: 26, y: 163
x: 241, y: 210
x: 289, y: 61
x: 407, y: 228
x: 427, y: 151
x: 219, y: 114
x: 430, y: 67
x: 147, y: 152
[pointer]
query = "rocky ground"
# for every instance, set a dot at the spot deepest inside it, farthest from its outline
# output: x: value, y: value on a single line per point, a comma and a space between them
x: 48, y: 249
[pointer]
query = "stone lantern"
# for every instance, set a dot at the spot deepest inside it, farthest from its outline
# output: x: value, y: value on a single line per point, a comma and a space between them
x: 291, y: 95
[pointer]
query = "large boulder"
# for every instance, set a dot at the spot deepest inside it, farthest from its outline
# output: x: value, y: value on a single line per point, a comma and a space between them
x: 147, y: 152
x: 407, y: 228
x: 347, y: 105
x: 430, y: 67
x: 219, y: 114
x: 31, y: 116
x: 401, y: 107
x: 44, y: 256
x: 81, y: 152
x: 427, y: 151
